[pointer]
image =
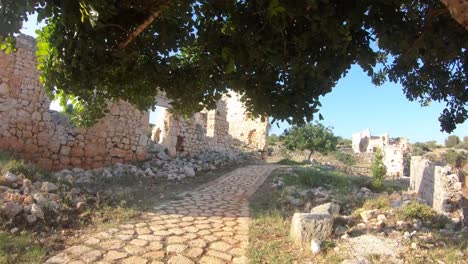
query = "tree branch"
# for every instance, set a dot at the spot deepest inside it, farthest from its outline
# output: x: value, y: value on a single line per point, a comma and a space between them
x: 433, y: 13
x: 139, y: 29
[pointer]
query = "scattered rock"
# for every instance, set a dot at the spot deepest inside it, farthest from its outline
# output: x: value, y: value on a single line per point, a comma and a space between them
x: 369, y: 214
x: 48, y: 187
x: 10, y: 177
x: 37, y: 211
x: 315, y: 246
x: 305, y: 227
x: 189, y: 172
x: 327, y: 208
x: 11, y: 209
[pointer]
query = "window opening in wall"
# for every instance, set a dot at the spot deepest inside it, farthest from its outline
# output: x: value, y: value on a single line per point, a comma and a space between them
x: 180, y: 144
x: 157, y: 124
x: 251, y: 138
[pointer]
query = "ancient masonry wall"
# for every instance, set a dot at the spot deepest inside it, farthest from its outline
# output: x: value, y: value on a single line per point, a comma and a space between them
x: 438, y: 186
x: 222, y: 129
x: 32, y: 131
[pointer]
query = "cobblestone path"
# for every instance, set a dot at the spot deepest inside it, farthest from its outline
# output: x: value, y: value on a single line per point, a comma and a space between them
x: 208, y: 225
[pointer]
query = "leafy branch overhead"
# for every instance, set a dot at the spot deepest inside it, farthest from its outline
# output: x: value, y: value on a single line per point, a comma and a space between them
x: 280, y: 55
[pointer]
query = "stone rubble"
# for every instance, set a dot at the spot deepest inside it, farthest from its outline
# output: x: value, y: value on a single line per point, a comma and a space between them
x: 24, y: 201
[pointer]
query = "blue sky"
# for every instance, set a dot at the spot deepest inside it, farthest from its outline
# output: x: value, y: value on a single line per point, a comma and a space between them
x: 355, y: 104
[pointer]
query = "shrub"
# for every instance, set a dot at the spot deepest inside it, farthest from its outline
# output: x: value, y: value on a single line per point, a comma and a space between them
x: 345, y: 158
x: 452, y: 141
x: 455, y: 158
x: 273, y: 139
x: 423, y: 212
x: 21, y: 167
x: 378, y: 170
x: 291, y: 162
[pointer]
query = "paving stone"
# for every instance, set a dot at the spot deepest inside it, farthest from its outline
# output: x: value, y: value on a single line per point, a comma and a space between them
x: 214, y: 218
x: 78, y: 250
x: 92, y: 241
x: 177, y: 248
x: 194, y: 253
x: 91, y: 256
x: 220, y: 255
x: 139, y: 242
x: 114, y: 255
x: 134, y: 260
x: 220, y: 246
x: 135, y: 250
x: 211, y: 260
x: 154, y: 255
x: 179, y: 259
x: 175, y: 240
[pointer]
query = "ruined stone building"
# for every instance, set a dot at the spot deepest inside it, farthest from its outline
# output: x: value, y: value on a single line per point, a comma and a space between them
x: 393, y: 149
x: 439, y: 186
x: 32, y: 131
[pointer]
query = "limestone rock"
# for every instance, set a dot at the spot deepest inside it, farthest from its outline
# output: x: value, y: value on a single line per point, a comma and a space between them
x: 305, y: 227
x: 12, y: 209
x: 327, y: 208
x: 369, y: 214
x: 31, y: 219
x: 48, y: 187
x: 40, y: 200
x: 189, y: 172
x: 315, y: 246
x: 37, y: 211
x: 10, y: 177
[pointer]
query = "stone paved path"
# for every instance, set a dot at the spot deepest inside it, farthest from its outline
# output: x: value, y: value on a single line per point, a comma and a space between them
x: 209, y: 225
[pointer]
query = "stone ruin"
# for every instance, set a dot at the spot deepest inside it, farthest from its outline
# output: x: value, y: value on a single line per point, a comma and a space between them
x: 394, y: 150
x: 439, y: 186
x: 32, y: 131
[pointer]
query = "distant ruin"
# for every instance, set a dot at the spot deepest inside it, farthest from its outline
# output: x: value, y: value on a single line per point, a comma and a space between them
x: 394, y: 150
x: 32, y: 131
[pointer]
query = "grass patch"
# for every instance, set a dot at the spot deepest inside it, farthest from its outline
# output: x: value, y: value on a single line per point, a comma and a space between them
x: 382, y: 203
x: 291, y: 162
x: 269, y: 229
x: 19, y: 249
x: 108, y: 216
x: 9, y: 163
x: 313, y: 178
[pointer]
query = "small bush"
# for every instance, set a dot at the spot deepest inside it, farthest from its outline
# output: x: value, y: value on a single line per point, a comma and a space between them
x: 345, y: 158
x: 416, y: 210
x: 378, y: 170
x: 382, y: 202
x: 452, y: 141
x: 291, y: 162
x: 455, y: 158
x: 20, y: 167
x: 423, y: 212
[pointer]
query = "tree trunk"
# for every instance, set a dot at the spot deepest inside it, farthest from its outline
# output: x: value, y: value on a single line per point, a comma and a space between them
x: 459, y: 11
x: 310, y: 155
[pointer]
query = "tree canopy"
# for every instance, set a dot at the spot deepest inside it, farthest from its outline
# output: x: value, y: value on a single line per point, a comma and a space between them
x: 312, y: 137
x: 281, y: 56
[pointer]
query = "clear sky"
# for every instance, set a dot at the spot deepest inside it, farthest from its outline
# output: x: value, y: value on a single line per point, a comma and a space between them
x: 355, y: 104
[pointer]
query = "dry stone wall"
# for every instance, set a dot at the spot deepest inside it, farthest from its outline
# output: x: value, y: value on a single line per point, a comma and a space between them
x: 439, y: 186
x: 32, y: 131
x: 222, y: 129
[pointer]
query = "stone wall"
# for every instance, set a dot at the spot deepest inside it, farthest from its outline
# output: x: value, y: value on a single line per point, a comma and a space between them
x: 222, y: 129
x: 32, y: 131
x: 439, y: 186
